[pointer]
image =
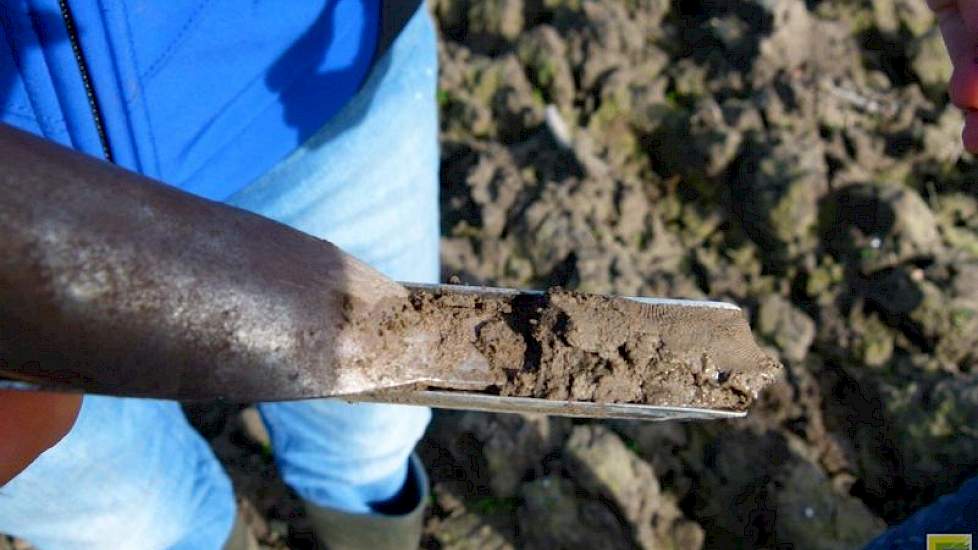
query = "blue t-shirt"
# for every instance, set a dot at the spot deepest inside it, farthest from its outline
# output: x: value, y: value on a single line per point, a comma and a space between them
x: 203, y: 95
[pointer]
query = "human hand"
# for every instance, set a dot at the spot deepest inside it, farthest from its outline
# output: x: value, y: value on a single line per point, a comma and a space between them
x: 958, y: 20
x: 31, y: 423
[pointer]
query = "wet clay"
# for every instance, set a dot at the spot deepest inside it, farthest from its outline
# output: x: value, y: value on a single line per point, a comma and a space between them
x: 571, y: 346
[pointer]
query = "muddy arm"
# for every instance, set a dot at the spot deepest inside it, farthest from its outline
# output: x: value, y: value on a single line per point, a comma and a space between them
x: 114, y: 283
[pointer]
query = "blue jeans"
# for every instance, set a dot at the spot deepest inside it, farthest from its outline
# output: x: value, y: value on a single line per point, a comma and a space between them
x: 956, y: 513
x: 133, y: 474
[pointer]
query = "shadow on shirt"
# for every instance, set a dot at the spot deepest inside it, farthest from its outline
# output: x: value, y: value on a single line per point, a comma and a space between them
x: 300, y: 61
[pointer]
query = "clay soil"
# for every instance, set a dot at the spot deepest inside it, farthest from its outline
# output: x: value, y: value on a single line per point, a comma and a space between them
x: 799, y: 159
x: 574, y: 346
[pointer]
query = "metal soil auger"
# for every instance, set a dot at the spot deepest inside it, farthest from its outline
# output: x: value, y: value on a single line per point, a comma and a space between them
x: 115, y: 284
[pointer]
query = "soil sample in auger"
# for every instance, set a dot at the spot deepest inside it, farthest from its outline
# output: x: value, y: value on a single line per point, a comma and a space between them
x: 572, y: 346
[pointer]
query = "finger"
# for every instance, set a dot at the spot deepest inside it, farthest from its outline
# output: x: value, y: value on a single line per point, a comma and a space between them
x: 969, y: 13
x: 969, y: 136
x: 965, y: 9
x: 950, y: 19
x: 958, y: 21
x: 962, y: 47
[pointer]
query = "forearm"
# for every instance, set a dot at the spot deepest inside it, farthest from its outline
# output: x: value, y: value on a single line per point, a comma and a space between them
x: 113, y: 283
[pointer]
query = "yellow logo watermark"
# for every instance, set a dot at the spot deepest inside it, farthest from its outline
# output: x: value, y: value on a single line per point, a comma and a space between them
x: 948, y: 542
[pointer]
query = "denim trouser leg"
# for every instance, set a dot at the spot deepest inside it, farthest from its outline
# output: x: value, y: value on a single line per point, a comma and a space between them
x: 368, y: 182
x: 133, y: 474
x: 956, y: 513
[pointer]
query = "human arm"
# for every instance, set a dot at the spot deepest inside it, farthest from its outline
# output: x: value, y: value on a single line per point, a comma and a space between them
x: 109, y: 281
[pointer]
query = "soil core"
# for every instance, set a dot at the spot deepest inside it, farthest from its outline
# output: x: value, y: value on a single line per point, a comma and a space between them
x: 572, y: 346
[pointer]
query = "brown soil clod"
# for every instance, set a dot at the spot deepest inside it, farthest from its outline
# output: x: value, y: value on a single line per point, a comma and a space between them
x: 572, y: 346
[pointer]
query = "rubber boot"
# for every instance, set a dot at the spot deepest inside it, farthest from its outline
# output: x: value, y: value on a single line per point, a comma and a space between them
x: 339, y: 530
x: 241, y: 537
